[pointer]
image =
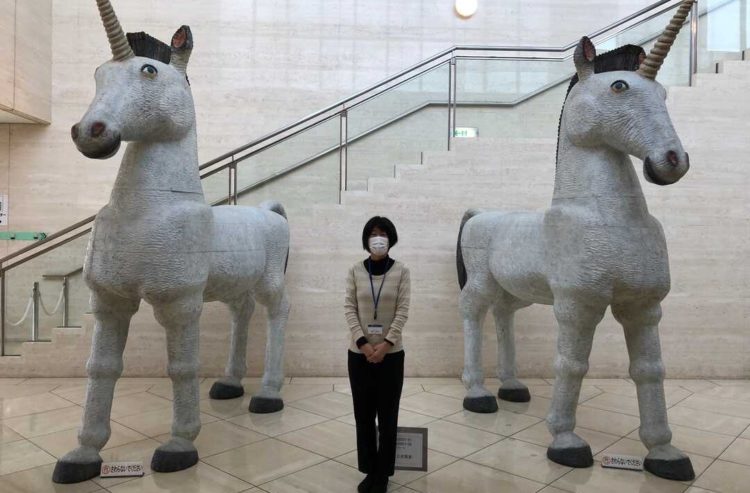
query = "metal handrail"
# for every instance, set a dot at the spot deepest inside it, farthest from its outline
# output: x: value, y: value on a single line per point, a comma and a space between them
x: 444, y: 53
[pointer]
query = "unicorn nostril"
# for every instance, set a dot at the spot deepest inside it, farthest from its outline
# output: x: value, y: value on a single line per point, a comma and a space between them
x: 74, y: 131
x: 672, y: 158
x: 97, y: 129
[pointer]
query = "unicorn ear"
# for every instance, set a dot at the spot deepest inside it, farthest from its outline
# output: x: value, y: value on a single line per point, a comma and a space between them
x: 182, y: 46
x: 584, y: 58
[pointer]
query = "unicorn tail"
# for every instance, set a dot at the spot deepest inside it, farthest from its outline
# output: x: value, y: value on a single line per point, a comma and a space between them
x: 276, y: 207
x: 460, y: 267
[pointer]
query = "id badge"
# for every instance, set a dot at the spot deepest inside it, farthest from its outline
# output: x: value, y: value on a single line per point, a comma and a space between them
x: 375, y: 329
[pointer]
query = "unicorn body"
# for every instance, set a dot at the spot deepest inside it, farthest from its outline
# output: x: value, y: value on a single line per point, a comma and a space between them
x: 157, y: 240
x: 597, y: 246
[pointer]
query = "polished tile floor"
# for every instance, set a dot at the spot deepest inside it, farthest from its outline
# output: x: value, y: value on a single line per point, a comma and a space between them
x: 310, y: 445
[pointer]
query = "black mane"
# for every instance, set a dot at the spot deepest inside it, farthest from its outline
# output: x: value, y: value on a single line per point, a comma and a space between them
x: 147, y: 46
x: 626, y: 57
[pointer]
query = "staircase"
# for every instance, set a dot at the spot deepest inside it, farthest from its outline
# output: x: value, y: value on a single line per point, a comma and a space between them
x: 706, y: 218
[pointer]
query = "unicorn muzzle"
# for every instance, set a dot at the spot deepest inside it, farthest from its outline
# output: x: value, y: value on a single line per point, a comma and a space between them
x: 668, y: 169
x: 95, y: 140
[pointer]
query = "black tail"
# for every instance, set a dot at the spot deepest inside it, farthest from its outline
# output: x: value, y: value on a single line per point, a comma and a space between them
x: 460, y: 267
x: 276, y: 207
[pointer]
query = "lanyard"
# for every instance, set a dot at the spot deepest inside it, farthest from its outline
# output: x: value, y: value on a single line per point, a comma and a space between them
x: 375, y: 299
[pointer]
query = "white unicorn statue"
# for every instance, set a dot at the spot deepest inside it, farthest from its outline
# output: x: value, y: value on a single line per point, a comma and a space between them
x: 159, y: 241
x: 596, y: 246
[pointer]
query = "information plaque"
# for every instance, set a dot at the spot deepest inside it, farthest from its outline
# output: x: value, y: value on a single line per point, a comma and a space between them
x: 411, y: 449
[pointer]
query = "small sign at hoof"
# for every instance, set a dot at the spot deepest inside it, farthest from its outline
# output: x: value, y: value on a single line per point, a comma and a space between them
x: 70, y: 472
x: 121, y: 469
x: 623, y: 462
x: 485, y: 404
x: 262, y: 405
x: 676, y: 470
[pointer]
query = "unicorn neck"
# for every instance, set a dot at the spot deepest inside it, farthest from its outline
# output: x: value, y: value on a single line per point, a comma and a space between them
x: 151, y: 170
x: 598, y: 178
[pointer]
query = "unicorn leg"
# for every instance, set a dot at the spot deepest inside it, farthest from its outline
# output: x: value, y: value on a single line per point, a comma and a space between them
x: 511, y: 388
x: 640, y: 323
x: 268, y: 399
x: 181, y: 321
x: 475, y: 299
x: 104, y: 368
x: 577, y: 322
x: 230, y: 386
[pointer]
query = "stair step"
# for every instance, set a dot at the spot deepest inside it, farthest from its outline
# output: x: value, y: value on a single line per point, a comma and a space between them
x: 734, y: 67
x: 729, y: 80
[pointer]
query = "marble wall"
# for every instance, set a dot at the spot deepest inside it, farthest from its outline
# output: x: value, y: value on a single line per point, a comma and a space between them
x: 25, y: 61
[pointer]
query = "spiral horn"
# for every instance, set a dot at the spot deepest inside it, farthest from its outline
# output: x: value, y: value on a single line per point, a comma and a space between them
x: 117, y: 41
x: 651, y: 64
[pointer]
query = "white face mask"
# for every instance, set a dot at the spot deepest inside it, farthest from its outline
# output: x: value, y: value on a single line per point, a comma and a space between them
x: 378, y: 245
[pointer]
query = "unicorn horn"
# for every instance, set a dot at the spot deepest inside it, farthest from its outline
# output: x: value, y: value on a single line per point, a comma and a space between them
x: 650, y: 66
x: 117, y: 41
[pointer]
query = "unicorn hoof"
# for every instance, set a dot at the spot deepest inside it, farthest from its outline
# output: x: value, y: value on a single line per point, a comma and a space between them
x: 223, y: 391
x: 514, y: 395
x: 484, y: 404
x: 171, y: 461
x: 678, y: 469
x: 75, y: 472
x: 265, y: 405
x: 571, y: 457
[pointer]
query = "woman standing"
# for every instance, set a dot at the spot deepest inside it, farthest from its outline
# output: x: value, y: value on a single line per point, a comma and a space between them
x: 376, y: 307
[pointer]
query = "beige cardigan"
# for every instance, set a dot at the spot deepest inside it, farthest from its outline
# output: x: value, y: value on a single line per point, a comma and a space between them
x: 393, y: 307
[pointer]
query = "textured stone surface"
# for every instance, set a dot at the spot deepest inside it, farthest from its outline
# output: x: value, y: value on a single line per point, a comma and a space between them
x: 597, y: 246
x: 158, y: 240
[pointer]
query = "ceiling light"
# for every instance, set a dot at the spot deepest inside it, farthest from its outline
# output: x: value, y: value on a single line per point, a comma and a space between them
x: 466, y: 8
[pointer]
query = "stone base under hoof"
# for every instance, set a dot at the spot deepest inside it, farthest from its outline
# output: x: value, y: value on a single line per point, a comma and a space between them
x: 571, y: 457
x: 265, y: 405
x: 485, y: 404
x: 514, y: 395
x: 677, y: 470
x: 223, y: 391
x: 72, y: 472
x: 165, y: 461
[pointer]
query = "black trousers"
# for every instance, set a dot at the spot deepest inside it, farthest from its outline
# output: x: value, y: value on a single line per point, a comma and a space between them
x: 376, y: 391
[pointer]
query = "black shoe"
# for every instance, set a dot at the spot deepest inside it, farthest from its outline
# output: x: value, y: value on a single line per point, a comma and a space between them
x: 379, y: 485
x: 366, y: 484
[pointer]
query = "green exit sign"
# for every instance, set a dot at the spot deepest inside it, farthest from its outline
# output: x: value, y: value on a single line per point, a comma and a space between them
x: 466, y: 132
x: 22, y: 235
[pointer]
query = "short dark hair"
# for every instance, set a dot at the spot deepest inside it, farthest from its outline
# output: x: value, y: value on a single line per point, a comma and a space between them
x: 379, y: 222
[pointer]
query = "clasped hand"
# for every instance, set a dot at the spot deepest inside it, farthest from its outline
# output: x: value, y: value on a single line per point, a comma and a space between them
x: 376, y: 353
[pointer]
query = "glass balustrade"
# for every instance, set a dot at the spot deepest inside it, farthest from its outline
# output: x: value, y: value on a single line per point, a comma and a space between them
x: 394, y: 127
x: 299, y: 171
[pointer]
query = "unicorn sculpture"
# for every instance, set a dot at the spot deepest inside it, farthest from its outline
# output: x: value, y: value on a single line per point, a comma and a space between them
x: 596, y: 246
x: 159, y: 241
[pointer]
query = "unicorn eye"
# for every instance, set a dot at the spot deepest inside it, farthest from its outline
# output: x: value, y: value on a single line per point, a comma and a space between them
x: 149, y: 70
x: 619, y: 86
